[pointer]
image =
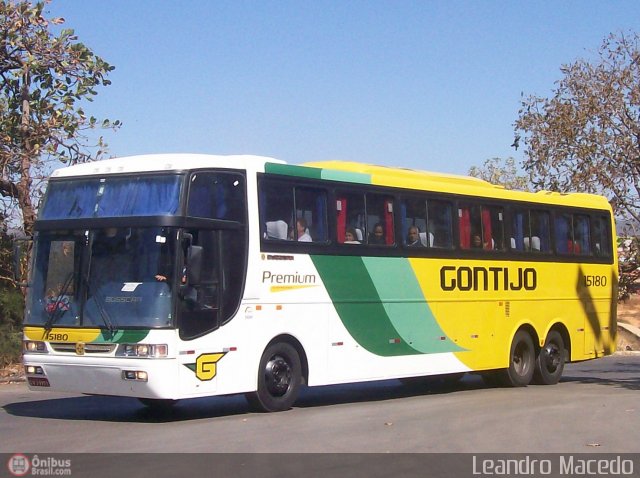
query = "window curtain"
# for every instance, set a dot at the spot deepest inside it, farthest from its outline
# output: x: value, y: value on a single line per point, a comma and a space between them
x: 487, y: 238
x: 341, y: 219
x: 465, y: 227
x: 114, y: 197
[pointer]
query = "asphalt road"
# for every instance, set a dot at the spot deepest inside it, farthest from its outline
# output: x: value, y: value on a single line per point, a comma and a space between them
x: 595, y: 408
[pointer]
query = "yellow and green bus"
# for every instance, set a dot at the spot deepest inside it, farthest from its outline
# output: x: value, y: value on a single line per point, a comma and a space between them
x: 168, y: 277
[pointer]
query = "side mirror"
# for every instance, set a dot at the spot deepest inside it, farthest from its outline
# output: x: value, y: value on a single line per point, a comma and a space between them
x: 194, y: 264
x: 21, y: 251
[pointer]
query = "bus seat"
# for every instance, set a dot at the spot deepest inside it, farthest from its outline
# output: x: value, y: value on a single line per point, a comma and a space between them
x: 535, y: 243
x: 423, y: 239
x: 358, y: 234
x: 277, y: 229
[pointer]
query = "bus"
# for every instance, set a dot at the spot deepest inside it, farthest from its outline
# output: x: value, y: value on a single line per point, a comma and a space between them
x: 168, y: 277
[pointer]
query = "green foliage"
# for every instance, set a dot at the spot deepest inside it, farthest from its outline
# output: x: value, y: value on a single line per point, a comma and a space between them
x: 584, y: 137
x: 629, y: 266
x: 502, y: 172
x: 11, y: 306
x: 46, y: 80
x: 11, y: 309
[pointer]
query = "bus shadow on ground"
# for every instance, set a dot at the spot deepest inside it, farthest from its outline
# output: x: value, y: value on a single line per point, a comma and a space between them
x: 123, y: 409
x: 620, y: 374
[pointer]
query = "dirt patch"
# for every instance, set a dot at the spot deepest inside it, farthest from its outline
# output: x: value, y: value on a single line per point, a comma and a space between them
x: 629, y: 313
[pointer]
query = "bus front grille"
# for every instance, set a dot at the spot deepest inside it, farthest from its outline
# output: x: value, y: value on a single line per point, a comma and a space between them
x: 88, y: 348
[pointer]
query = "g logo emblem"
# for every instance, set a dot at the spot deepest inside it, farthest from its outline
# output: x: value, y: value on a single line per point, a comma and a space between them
x: 206, y: 366
x: 80, y: 348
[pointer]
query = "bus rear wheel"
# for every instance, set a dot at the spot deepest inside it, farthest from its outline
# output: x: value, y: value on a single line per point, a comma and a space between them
x: 522, y: 358
x: 279, y: 379
x: 550, y: 360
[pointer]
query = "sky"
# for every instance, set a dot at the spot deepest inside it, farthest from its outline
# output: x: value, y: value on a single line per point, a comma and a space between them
x: 430, y: 85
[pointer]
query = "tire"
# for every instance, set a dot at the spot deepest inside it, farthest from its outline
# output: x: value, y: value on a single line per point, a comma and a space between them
x: 279, y: 379
x: 550, y: 360
x: 522, y: 358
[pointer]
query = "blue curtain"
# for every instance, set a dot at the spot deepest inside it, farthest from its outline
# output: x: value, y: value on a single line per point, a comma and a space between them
x: 321, y: 207
x: 115, y: 197
x: 518, y: 230
x: 545, y: 232
x: 70, y: 200
x: 142, y: 197
x: 562, y: 235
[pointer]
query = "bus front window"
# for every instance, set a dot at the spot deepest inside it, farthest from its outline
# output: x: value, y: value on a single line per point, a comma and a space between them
x: 113, y: 277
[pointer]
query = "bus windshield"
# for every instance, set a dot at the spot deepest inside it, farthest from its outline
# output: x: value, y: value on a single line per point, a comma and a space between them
x: 112, y: 277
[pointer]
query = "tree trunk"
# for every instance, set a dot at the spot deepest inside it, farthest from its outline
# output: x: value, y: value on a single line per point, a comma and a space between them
x: 26, y: 156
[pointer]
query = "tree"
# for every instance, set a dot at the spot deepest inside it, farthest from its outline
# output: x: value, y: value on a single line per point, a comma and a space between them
x: 586, y: 136
x: 503, y: 172
x: 45, y: 79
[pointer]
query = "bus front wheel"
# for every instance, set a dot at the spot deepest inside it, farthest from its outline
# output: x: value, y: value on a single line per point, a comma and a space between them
x: 550, y: 360
x: 279, y: 379
x: 522, y: 357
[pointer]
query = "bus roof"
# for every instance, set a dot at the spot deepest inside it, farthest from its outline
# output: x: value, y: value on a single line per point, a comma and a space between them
x: 448, y: 183
x: 164, y: 162
x: 346, y: 171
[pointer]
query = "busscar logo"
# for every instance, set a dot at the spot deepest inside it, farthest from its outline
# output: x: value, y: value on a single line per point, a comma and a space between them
x: 18, y: 465
x: 80, y: 348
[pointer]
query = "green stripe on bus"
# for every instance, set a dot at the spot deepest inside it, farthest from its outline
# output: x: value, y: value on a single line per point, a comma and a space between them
x: 346, y: 176
x: 404, y: 302
x: 317, y: 173
x: 121, y: 336
x: 291, y: 170
x: 358, y: 304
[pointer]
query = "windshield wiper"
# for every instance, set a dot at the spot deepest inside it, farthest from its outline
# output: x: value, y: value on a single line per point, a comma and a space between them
x: 58, y: 308
x: 98, y: 300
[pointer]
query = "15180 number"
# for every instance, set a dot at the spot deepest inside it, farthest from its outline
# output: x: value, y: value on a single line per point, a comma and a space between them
x: 595, y: 281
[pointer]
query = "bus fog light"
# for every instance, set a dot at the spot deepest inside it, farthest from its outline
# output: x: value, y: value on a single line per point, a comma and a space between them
x: 137, y: 375
x: 33, y: 370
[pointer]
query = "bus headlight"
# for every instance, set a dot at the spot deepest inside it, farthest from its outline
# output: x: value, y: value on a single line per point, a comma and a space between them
x: 34, y: 347
x: 142, y: 350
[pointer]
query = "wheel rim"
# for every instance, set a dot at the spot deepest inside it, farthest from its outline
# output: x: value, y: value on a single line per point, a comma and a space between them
x: 551, y: 357
x: 521, y: 359
x: 278, y: 375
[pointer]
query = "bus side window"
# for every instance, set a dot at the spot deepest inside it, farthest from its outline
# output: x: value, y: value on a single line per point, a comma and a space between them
x: 414, y: 214
x: 563, y: 234
x: 311, y: 211
x: 350, y: 217
x: 379, y: 225
x: 540, y: 231
x: 276, y: 209
x: 602, y: 243
x: 439, y: 224
x: 582, y: 235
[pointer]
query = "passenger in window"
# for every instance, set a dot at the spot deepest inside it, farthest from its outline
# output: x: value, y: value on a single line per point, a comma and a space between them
x: 350, y: 236
x: 413, y: 237
x: 476, y: 241
x: 303, y: 232
x: 377, y: 237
